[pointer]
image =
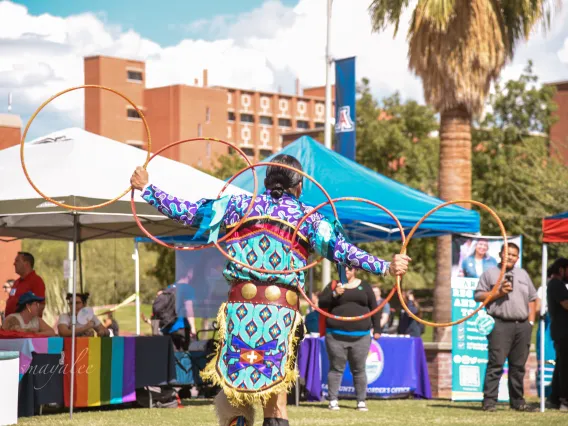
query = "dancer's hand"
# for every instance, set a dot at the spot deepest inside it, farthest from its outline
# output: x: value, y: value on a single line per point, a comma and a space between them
x: 139, y: 178
x: 399, y: 265
x: 339, y: 290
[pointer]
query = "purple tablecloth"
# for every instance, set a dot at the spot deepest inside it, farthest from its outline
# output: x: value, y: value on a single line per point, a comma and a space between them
x: 404, y: 367
x: 309, y: 364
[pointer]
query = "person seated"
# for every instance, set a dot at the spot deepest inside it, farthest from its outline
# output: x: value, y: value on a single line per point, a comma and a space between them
x: 312, y: 320
x: 111, y: 325
x: 27, y: 317
x: 92, y: 326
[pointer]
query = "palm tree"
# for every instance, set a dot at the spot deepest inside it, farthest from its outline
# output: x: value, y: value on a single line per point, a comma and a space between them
x: 458, y: 48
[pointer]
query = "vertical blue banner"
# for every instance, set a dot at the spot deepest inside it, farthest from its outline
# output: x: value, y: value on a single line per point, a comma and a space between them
x: 345, y: 92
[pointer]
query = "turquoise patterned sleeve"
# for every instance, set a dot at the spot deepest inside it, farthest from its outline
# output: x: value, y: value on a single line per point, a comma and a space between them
x: 328, y: 240
x: 205, y: 214
x: 185, y: 212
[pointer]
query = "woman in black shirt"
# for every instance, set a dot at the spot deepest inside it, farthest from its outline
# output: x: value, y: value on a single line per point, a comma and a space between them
x: 349, y: 340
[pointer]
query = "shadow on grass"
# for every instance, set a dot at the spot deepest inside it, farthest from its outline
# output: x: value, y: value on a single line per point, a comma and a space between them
x: 457, y: 407
x: 198, y: 402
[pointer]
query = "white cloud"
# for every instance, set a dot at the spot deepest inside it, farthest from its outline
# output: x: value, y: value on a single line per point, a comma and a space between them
x: 265, y: 48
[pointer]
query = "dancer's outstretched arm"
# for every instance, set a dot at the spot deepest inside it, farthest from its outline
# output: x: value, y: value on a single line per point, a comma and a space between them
x: 331, y: 244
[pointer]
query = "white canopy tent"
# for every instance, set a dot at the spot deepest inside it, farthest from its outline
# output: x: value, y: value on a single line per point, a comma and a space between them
x: 80, y: 168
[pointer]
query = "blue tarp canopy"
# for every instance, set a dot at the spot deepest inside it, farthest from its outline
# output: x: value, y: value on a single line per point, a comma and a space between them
x: 363, y: 222
x: 342, y: 177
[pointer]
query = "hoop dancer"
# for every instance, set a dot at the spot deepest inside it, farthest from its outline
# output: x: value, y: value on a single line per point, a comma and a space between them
x: 260, y: 324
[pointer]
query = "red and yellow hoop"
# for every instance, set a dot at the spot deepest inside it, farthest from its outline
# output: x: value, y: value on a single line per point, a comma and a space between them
x: 493, y: 291
x: 228, y: 234
x: 392, y: 292
x: 42, y: 106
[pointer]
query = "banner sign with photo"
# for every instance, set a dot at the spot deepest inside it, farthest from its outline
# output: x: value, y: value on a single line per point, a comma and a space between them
x: 471, y: 256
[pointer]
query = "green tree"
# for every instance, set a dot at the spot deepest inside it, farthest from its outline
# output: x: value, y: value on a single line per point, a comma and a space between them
x: 513, y: 171
x: 458, y: 48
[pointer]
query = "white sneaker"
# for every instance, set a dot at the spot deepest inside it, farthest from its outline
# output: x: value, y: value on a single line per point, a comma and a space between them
x: 563, y: 407
x: 333, y: 405
x: 361, y: 406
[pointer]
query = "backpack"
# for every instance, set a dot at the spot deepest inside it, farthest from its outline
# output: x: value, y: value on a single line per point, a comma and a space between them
x: 164, y: 308
x: 157, y: 397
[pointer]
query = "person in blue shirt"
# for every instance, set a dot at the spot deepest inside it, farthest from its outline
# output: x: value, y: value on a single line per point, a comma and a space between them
x: 312, y: 319
x: 386, y: 311
x: 473, y: 266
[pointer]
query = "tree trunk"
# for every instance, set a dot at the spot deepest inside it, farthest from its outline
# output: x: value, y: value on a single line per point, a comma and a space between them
x: 454, y: 183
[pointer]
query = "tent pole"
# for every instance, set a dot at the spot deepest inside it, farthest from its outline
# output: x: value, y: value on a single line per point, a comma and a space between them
x: 137, y: 285
x: 70, y: 260
x: 311, y: 276
x: 542, y: 324
x: 80, y: 268
x: 73, y: 315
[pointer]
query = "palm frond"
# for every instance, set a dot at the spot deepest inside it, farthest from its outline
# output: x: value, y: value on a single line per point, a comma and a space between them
x: 458, y: 63
x: 386, y: 12
x: 437, y: 13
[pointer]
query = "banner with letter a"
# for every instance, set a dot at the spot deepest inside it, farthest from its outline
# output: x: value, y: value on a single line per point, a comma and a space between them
x: 345, y: 118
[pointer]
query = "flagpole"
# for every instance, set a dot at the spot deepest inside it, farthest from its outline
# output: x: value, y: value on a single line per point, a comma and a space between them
x: 326, y: 265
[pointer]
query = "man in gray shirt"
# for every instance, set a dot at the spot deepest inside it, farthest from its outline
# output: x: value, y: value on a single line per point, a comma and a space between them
x: 513, y: 308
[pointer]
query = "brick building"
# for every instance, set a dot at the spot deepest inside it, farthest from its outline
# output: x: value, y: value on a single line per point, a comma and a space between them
x: 559, y: 132
x: 10, y: 134
x: 253, y: 120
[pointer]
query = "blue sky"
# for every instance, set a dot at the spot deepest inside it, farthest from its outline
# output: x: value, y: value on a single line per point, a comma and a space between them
x: 250, y: 44
x: 165, y: 25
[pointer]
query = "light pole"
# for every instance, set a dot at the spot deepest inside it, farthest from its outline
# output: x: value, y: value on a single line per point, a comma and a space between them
x: 326, y: 265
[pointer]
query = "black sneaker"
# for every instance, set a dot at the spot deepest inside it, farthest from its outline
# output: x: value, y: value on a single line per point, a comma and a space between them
x: 525, y: 408
x: 552, y: 405
x: 489, y: 408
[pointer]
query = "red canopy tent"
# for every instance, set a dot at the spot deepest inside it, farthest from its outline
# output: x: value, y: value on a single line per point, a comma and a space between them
x: 554, y: 230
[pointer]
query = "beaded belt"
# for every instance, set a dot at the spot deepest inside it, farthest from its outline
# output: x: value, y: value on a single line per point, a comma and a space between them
x: 263, y: 293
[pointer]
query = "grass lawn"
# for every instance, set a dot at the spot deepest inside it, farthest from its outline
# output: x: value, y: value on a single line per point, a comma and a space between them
x: 396, y: 412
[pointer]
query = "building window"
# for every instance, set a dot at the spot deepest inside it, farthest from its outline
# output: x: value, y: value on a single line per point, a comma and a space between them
x: 199, y: 130
x: 208, y: 150
x: 132, y: 113
x: 248, y: 151
x: 247, y: 118
x: 207, y: 114
x: 265, y: 153
x: 231, y: 116
x: 318, y: 125
x: 266, y: 120
x: 302, y: 124
x: 135, y: 76
x: 284, y: 122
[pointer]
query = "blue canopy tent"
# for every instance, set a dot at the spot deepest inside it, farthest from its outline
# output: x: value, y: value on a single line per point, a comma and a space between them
x: 363, y: 222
